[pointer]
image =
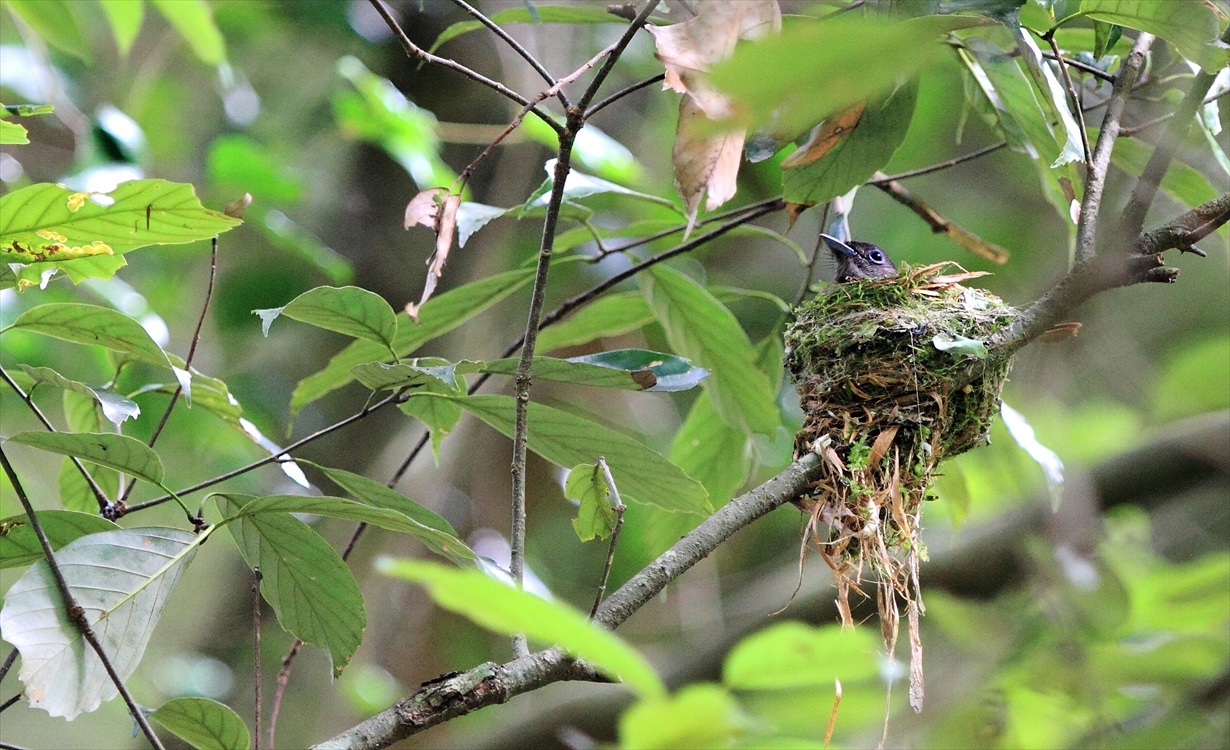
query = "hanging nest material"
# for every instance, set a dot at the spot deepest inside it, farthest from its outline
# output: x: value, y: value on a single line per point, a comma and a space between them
x: 890, y: 380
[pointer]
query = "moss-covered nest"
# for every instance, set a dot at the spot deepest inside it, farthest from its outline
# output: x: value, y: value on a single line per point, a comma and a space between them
x: 892, y: 378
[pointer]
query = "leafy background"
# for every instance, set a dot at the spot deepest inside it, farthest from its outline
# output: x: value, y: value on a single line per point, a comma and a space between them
x: 299, y: 107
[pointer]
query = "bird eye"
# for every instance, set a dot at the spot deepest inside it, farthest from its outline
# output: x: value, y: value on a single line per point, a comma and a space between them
x: 876, y: 256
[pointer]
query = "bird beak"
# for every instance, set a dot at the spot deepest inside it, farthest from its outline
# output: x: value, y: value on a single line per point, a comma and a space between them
x: 839, y: 247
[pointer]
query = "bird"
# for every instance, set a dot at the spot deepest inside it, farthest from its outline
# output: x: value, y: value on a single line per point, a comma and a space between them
x: 858, y: 260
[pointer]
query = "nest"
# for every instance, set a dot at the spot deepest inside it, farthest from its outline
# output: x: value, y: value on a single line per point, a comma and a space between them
x: 893, y: 378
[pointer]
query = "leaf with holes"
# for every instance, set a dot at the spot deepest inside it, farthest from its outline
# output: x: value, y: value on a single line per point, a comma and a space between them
x: 122, y: 580
x: 49, y: 222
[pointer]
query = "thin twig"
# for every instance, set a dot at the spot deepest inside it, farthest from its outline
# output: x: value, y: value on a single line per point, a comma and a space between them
x: 1146, y: 187
x: 1099, y: 164
x: 1134, y: 129
x: 76, y: 614
x: 196, y: 339
x: 280, y: 690
x: 8, y: 703
x: 683, y: 225
x: 1083, y: 67
x: 940, y: 166
x: 8, y: 664
x: 1074, y: 97
x: 515, y: 45
x: 556, y: 88
x: 941, y: 225
x: 256, y: 656
x: 617, y: 51
x: 415, y: 52
x: 104, y: 504
x: 618, y: 506
x: 277, y: 457
x: 521, y: 381
x: 621, y: 94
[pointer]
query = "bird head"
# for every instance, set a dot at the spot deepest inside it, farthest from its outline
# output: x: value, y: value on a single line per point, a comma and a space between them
x: 858, y: 260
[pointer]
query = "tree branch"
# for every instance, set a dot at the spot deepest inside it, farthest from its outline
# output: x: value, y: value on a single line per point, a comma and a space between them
x: 515, y: 45
x: 418, y: 53
x: 441, y: 700
x: 1141, y: 263
x: 1099, y: 164
x: 1146, y: 187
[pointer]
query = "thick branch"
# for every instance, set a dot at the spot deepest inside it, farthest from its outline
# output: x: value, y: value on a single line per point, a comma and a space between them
x: 1141, y: 264
x: 1099, y: 164
x: 440, y: 700
x: 1146, y: 187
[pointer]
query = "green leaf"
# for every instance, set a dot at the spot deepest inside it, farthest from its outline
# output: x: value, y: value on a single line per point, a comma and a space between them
x: 416, y: 373
x: 959, y: 346
x: 500, y: 607
x: 350, y: 310
x: 628, y: 369
x: 204, y: 724
x: 377, y: 112
x: 439, y: 414
x: 857, y: 155
x: 208, y: 393
x: 579, y: 185
x: 195, y: 23
x: 710, y: 452
x: 698, y: 716
x: 304, y: 579
x: 443, y: 543
x: 75, y: 492
x: 566, y: 440
x: 122, y: 579
x: 544, y: 13
x: 19, y: 546
x: 595, y: 516
x: 93, y: 267
x: 26, y: 110
x: 47, y: 222
x: 238, y: 164
x: 54, y: 23
x: 1057, y: 96
x: 792, y: 654
x: 1190, y: 25
x: 803, y: 75
x: 704, y: 330
x: 125, y: 17
x: 12, y: 134
x: 612, y: 315
x: 1020, y: 116
x: 374, y: 493
x: 115, y: 407
x: 1104, y: 37
x: 439, y: 315
x: 91, y: 324
x: 118, y: 452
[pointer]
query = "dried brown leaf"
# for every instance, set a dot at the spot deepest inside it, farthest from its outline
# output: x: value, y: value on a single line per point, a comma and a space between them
x: 443, y: 219
x: 825, y: 136
x: 424, y: 208
x: 880, y: 447
x: 1059, y: 333
x: 705, y: 163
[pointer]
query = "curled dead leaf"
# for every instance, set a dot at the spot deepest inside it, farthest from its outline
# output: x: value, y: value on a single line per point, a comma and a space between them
x: 429, y: 210
x: 235, y: 209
